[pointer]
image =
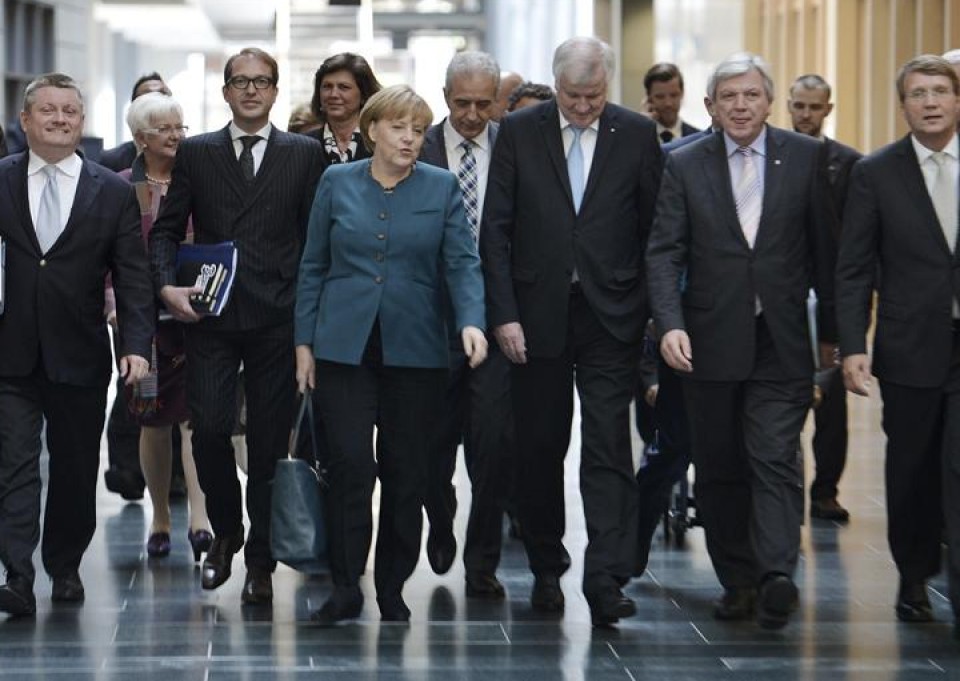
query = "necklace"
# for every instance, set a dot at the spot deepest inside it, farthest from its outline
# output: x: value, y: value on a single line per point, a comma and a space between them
x: 162, y: 183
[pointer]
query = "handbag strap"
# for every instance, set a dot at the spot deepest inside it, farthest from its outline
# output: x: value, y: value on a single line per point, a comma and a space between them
x: 306, y: 408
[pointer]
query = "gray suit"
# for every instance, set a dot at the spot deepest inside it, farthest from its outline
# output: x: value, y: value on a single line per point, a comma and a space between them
x: 751, y: 385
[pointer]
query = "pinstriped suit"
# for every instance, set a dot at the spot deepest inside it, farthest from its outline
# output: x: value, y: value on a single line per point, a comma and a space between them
x: 267, y: 220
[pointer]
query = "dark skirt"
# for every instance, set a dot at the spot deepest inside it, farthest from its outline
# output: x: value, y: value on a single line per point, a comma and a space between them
x: 160, y: 399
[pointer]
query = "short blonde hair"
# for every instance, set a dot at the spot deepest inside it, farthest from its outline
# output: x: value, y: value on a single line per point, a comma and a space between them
x: 398, y: 101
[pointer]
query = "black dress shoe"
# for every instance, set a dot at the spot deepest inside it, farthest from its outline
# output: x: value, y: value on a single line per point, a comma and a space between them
x: 441, y: 549
x: 393, y: 608
x: 913, y: 604
x: 17, y: 599
x: 482, y: 585
x: 736, y: 604
x: 345, y: 603
x: 547, y: 595
x: 829, y: 509
x: 609, y: 607
x: 67, y: 589
x: 128, y: 484
x: 258, y: 587
x: 217, y: 565
x: 778, y: 598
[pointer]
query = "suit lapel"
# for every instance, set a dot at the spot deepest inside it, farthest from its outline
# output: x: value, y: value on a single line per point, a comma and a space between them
x: 774, y: 165
x: 553, y: 141
x: 88, y: 188
x: 606, y: 136
x: 717, y: 171
x: 916, y: 188
x: 225, y: 158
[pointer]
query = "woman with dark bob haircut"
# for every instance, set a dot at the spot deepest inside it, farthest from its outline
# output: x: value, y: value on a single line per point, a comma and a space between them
x: 341, y: 86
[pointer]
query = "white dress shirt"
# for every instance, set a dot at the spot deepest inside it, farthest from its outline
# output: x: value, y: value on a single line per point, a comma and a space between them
x: 481, y: 152
x: 258, y: 149
x: 68, y: 177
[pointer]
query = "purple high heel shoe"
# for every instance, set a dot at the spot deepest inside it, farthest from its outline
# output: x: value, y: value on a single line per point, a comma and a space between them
x: 200, y: 542
x: 158, y: 544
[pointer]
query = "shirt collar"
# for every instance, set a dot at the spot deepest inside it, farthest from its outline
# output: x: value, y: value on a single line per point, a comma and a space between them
x: 759, y: 145
x: 564, y: 123
x: 923, y: 153
x: 236, y: 133
x: 452, y: 139
x: 70, y: 165
x: 676, y: 130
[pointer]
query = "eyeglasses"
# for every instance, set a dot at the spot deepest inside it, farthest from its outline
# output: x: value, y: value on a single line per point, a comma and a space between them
x: 166, y: 130
x: 241, y: 82
x: 938, y: 93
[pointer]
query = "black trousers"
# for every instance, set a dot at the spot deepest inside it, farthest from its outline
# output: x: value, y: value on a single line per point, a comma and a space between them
x: 477, y: 411
x: 403, y: 405
x: 745, y: 436
x: 605, y: 371
x: 663, y: 471
x: 830, y: 438
x: 74, y: 421
x: 213, y: 360
x: 123, y: 431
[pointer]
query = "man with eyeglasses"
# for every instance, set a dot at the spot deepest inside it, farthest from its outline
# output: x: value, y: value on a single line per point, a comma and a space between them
x: 901, y: 221
x: 252, y: 184
x: 743, y: 220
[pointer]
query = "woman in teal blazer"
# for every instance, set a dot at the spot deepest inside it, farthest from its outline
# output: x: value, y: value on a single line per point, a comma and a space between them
x: 384, y: 236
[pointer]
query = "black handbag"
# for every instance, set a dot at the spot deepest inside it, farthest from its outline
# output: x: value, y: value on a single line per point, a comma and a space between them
x: 298, y: 529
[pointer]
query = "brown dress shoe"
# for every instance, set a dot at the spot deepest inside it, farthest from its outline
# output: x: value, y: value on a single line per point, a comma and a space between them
x: 778, y: 598
x: 483, y: 585
x: 217, y: 565
x: 258, y: 587
x: 736, y: 604
x: 547, y: 595
x: 829, y: 509
x: 17, y: 599
x: 67, y: 589
x: 913, y: 604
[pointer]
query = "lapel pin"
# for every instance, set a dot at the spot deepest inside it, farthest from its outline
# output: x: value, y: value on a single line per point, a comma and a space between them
x: 776, y: 161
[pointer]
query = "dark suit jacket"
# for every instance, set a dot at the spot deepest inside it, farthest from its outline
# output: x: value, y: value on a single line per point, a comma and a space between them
x: 120, y: 157
x: 890, y: 221
x: 686, y: 129
x: 266, y: 219
x: 697, y: 229
x: 434, y: 149
x: 54, y: 302
x: 531, y: 239
x: 840, y: 160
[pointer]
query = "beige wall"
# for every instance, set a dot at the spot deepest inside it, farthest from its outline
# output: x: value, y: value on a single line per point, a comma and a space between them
x: 858, y: 46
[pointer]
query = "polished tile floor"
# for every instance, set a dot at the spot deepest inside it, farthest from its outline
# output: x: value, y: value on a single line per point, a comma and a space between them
x: 146, y: 619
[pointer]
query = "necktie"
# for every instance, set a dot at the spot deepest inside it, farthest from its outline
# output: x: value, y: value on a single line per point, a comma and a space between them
x: 666, y: 136
x: 246, y: 156
x: 575, y: 167
x: 944, y: 195
x: 467, y: 175
x: 48, y: 213
x: 748, y: 198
